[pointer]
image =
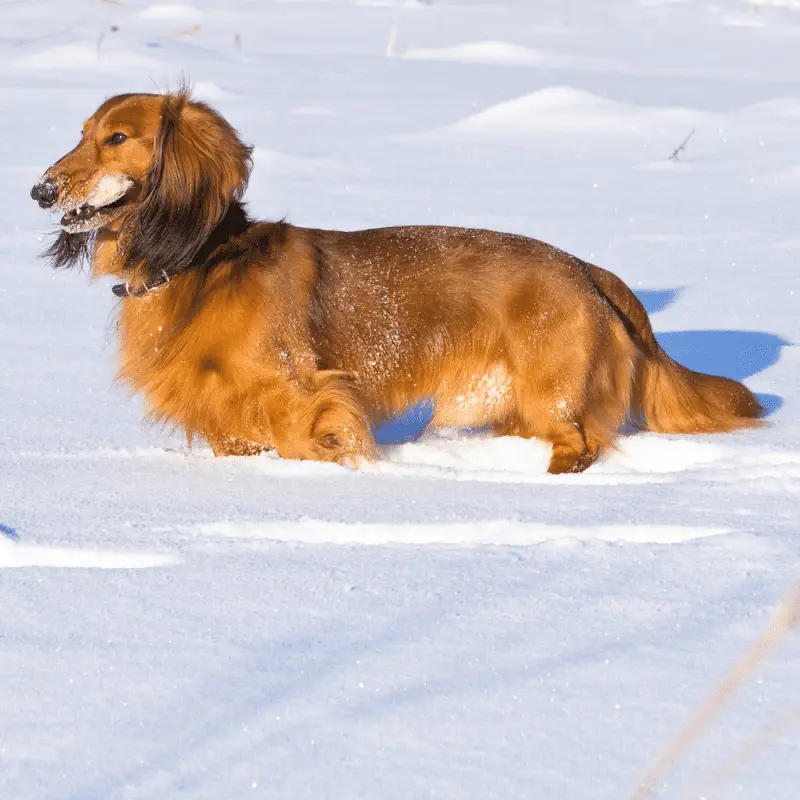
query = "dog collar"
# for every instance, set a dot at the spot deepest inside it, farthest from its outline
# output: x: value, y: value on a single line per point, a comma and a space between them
x: 125, y: 289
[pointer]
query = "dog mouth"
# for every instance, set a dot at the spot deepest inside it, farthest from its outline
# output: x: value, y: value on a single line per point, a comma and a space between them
x: 85, y: 214
x: 107, y: 198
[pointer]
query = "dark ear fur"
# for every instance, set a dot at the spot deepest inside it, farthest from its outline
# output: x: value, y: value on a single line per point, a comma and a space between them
x: 70, y: 249
x: 199, y: 168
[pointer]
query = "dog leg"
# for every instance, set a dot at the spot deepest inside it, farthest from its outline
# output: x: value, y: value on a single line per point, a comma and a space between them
x: 571, y: 452
x: 321, y: 420
x: 572, y: 375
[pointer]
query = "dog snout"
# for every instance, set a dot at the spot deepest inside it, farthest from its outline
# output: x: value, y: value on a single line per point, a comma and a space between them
x: 45, y: 193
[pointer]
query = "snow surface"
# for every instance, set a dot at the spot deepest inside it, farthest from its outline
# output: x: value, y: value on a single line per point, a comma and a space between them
x: 452, y: 621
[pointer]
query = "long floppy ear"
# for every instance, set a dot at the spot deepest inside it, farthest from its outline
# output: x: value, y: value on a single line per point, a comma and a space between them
x: 199, y: 168
x: 70, y: 249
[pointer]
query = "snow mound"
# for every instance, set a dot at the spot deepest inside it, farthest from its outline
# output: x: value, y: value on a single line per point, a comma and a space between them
x: 210, y: 92
x: 506, y: 533
x: 787, y: 108
x: 170, y: 11
x: 566, y: 111
x: 84, y: 55
x: 502, y: 54
x: 742, y: 21
x: 660, y: 453
x: 483, y: 53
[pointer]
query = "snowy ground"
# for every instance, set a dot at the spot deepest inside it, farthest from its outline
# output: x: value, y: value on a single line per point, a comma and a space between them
x: 454, y: 622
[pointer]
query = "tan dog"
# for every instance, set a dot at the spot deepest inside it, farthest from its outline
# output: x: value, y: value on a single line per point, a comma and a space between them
x: 256, y: 335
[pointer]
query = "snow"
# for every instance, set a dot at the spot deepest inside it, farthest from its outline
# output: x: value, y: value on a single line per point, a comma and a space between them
x: 82, y: 55
x: 109, y: 189
x: 563, y: 110
x: 501, y: 53
x: 501, y: 532
x: 450, y: 621
x: 25, y: 555
x: 170, y: 10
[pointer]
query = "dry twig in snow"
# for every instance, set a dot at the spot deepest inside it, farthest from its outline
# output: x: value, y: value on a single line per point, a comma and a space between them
x: 785, y: 617
x: 681, y: 148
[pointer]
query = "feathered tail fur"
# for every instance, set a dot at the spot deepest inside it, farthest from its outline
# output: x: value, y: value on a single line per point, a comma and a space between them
x: 668, y: 397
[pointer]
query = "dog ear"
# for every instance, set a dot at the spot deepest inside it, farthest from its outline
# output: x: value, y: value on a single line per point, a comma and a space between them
x: 70, y: 249
x: 199, y: 168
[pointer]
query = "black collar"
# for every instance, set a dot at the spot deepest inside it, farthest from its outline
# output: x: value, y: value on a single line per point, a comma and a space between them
x: 125, y: 290
x: 234, y: 223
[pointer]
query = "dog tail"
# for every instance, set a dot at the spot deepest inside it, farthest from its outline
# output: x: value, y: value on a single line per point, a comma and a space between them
x: 667, y: 397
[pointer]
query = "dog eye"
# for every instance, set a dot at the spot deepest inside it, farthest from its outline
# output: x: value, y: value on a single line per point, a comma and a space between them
x: 116, y: 138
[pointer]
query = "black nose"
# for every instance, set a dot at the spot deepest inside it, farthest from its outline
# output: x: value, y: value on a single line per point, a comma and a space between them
x: 45, y: 193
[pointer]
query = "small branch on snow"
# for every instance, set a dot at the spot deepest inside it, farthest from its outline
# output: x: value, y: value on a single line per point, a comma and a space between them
x: 681, y: 148
x: 785, y: 618
x: 746, y: 752
x: 112, y: 28
x: 102, y: 36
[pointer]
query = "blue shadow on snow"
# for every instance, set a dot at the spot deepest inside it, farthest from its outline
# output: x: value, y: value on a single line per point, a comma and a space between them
x: 405, y: 427
x: 655, y: 300
x: 8, y: 531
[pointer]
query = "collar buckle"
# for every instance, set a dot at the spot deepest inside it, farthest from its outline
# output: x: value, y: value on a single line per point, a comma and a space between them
x: 124, y: 289
x: 162, y: 280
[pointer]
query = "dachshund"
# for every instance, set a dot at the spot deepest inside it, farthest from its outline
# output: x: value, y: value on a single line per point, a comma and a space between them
x: 257, y: 335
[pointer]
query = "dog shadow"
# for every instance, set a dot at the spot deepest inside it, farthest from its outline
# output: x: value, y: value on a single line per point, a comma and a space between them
x: 405, y: 427
x: 731, y: 354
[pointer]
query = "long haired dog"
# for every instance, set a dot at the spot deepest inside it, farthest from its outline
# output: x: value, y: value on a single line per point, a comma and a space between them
x: 256, y: 335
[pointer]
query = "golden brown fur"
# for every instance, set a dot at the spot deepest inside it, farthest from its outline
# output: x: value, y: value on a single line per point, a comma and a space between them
x: 270, y: 335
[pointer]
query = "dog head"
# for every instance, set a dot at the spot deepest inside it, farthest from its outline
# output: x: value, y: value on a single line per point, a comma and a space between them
x: 159, y: 170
